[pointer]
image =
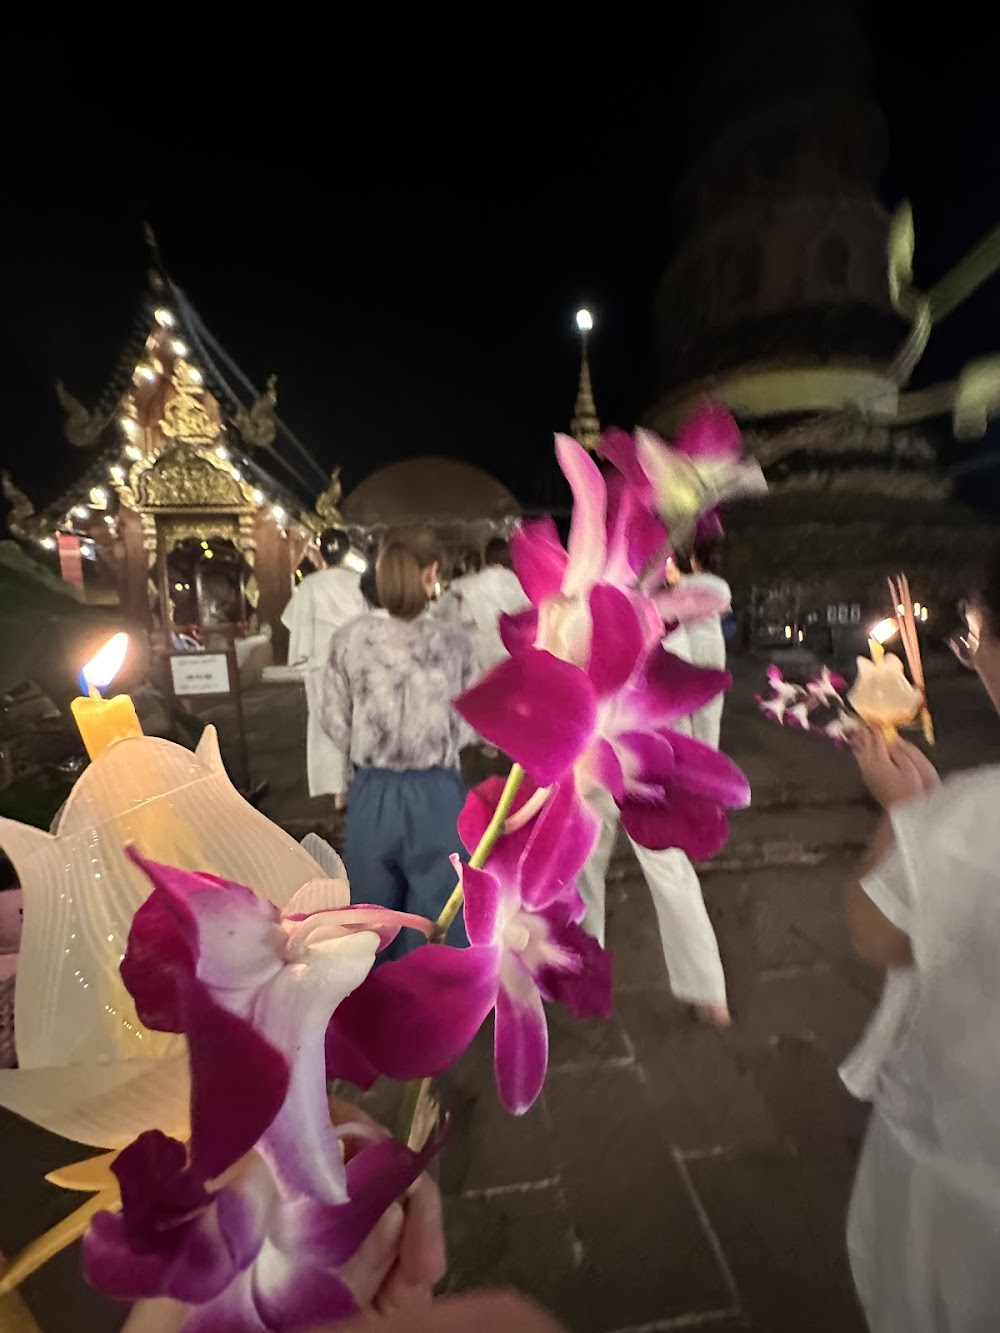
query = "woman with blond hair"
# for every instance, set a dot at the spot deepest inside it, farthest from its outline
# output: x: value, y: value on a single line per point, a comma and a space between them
x: 388, y: 694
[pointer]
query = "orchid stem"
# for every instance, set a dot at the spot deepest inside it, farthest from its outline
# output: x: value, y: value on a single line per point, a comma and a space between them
x: 478, y: 858
x: 411, y: 1096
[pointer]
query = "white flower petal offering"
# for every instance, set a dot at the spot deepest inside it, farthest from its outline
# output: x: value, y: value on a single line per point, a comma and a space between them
x: 882, y: 695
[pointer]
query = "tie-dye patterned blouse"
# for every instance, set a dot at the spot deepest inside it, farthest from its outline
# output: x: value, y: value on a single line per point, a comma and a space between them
x: 388, y: 689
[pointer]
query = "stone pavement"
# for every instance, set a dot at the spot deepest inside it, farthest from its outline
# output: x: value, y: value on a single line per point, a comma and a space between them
x: 672, y: 1176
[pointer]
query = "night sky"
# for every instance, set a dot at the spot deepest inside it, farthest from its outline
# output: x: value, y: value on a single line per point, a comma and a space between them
x: 405, y: 240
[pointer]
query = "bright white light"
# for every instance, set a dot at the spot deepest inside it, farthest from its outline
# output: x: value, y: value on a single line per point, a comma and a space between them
x: 134, y: 452
x: 147, y: 373
x: 279, y: 514
x: 802, y: 636
x: 584, y: 320
x: 923, y: 614
x: 81, y: 511
x: 883, y: 631
x: 356, y: 562
x: 179, y: 348
x: 49, y: 543
x: 102, y: 668
x: 258, y: 497
x: 178, y: 587
x: 195, y: 375
x: 222, y: 453
x: 788, y: 631
x: 164, y: 318
x: 98, y: 497
x: 117, y: 473
x: 130, y: 426
x: 237, y: 474
x: 916, y: 609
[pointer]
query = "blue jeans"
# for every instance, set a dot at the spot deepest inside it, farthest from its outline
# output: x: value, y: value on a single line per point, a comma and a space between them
x: 401, y: 830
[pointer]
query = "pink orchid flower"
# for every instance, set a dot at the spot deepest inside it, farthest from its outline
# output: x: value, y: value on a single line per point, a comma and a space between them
x: 246, y: 1253
x: 254, y: 990
x: 611, y: 726
x: 685, y: 483
x: 522, y: 915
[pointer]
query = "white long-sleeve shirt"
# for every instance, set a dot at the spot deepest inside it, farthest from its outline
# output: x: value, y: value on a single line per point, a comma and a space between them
x: 321, y: 604
x: 475, y: 603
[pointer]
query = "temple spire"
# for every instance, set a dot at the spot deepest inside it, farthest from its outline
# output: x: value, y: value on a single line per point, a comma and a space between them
x: 585, y: 426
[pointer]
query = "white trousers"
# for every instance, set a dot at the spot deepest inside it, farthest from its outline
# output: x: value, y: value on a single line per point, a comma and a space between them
x: 690, y: 949
x: 327, y: 768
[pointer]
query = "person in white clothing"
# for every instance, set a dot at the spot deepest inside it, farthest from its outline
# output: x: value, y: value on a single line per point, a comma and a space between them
x: 706, y: 641
x: 321, y: 604
x: 690, y: 949
x: 924, y: 1224
x: 475, y: 602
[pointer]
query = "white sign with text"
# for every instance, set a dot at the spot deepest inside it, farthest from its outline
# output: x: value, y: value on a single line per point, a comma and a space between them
x: 200, y: 673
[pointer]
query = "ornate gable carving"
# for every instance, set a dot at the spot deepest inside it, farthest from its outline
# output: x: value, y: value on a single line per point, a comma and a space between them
x: 181, y: 478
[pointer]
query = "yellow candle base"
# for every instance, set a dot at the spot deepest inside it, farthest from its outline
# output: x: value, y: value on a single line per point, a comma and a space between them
x: 104, y: 721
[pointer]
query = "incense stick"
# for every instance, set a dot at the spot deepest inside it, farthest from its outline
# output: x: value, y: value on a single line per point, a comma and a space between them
x: 903, y: 602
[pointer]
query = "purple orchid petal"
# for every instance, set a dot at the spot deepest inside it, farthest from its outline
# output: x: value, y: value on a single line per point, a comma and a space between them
x: 518, y: 631
x: 705, y: 771
x: 539, y: 559
x: 168, y: 1239
x: 709, y: 527
x: 537, y: 709
x: 237, y: 937
x: 674, y: 689
x: 477, y: 813
x: 486, y: 904
x: 648, y: 757
x: 377, y: 1176
x: 294, y: 1011
x: 414, y: 1017
x: 601, y: 767
x: 230, y: 1109
x: 710, y: 432
x: 588, y: 536
x: 695, y: 825
x: 617, y: 640
x: 562, y: 838
x: 333, y: 923
x: 684, y: 603
x: 521, y: 1041
x: 288, y: 1296
x: 585, y: 987
x: 618, y: 447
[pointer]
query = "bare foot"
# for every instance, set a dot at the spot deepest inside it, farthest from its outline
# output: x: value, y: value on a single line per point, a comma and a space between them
x: 340, y: 801
x: 716, y: 1014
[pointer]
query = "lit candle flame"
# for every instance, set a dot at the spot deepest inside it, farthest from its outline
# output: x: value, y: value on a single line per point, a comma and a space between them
x: 102, y: 668
x: 884, y: 630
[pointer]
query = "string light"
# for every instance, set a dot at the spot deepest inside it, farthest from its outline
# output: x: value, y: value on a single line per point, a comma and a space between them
x: 81, y: 511
x: 258, y: 497
x: 98, y: 497
x: 49, y: 543
x: 147, y: 373
x: 195, y: 375
x: 130, y: 426
x: 164, y: 318
x: 134, y: 452
x: 178, y: 348
x: 222, y: 453
x: 279, y: 514
x: 117, y: 474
